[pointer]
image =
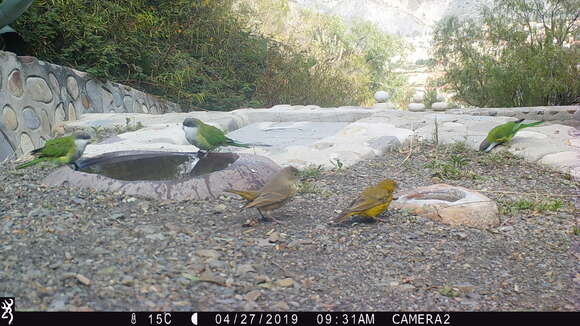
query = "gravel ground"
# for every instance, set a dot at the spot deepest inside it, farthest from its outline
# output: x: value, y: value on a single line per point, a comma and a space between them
x: 69, y: 249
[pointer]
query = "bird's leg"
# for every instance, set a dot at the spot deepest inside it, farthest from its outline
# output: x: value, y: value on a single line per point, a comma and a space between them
x: 380, y: 220
x: 271, y: 218
x: 201, y: 154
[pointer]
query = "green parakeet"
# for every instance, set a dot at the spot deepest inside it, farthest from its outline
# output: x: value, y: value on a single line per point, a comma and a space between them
x: 208, y: 138
x: 62, y: 150
x: 504, y: 133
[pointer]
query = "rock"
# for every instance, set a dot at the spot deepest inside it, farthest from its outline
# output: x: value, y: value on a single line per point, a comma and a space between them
x: 216, y: 264
x: 39, y: 90
x: 26, y: 143
x: 439, y: 106
x: 83, y: 279
x: 281, y: 306
x: 72, y: 113
x: 285, y: 282
x: 15, y: 83
x: 72, y: 87
x: 157, y: 236
x: 209, y: 276
x: 219, y: 209
x: 416, y: 107
x: 381, y: 96
x: 253, y: 295
x: 59, y: 115
x: 9, y: 118
x: 208, y: 253
x: 274, y: 237
x: 299, y: 242
x: 452, y: 205
x: 245, y: 269
x: 464, y: 288
x: 506, y: 229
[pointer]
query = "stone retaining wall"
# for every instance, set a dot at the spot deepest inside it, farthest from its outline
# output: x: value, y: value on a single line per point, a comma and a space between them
x: 37, y: 97
x: 564, y: 114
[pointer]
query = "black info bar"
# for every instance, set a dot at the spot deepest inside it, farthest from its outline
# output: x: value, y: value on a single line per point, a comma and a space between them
x: 290, y: 318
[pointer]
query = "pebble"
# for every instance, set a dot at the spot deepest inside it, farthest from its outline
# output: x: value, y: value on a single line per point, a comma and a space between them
x: 286, y: 282
x: 208, y: 253
x: 253, y: 295
x: 83, y: 279
x: 219, y: 209
x: 281, y: 306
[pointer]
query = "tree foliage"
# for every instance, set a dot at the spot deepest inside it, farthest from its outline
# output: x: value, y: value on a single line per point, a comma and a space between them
x: 518, y: 53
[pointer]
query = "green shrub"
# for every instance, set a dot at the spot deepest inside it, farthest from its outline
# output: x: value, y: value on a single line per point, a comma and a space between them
x: 216, y: 55
x: 507, y: 58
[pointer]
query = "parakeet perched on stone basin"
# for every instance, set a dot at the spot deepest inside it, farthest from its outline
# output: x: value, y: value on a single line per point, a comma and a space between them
x: 61, y: 150
x: 206, y: 137
x: 504, y: 133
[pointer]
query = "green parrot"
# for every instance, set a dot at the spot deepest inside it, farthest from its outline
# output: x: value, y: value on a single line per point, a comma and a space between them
x: 208, y: 138
x: 504, y: 133
x: 61, y: 150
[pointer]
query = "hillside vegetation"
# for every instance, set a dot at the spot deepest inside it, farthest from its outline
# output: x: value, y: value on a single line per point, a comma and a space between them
x: 520, y: 53
x: 219, y: 54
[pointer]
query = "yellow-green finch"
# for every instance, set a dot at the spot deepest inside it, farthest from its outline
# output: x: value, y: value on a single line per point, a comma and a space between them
x: 275, y: 193
x: 61, y: 150
x: 504, y: 133
x: 372, y: 202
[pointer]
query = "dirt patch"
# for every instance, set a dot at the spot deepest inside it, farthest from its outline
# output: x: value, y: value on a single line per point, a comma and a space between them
x: 69, y: 249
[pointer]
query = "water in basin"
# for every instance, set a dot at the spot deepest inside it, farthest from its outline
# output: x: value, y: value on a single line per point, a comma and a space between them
x: 155, y: 165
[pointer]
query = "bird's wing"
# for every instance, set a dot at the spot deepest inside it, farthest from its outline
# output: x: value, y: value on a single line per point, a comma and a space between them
x: 212, y: 135
x: 501, y: 133
x: 369, y: 198
x: 246, y: 194
x: 266, y: 198
x: 362, y: 204
x: 57, y: 147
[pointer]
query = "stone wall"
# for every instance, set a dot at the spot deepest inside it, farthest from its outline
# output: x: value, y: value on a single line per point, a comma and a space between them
x: 37, y: 97
x: 561, y: 114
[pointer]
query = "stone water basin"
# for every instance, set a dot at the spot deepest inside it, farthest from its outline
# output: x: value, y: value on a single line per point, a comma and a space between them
x: 167, y: 175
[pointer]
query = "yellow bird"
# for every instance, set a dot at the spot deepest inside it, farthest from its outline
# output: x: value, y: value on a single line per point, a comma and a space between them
x: 371, y: 202
x: 275, y: 193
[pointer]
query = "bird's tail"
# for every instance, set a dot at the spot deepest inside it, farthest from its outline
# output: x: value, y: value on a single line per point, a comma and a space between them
x: 525, y: 125
x: 342, y: 217
x: 246, y: 194
x: 231, y: 142
x: 259, y: 144
x: 30, y: 163
x: 236, y: 144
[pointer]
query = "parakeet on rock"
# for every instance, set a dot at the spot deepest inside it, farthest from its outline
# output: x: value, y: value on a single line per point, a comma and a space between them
x: 504, y: 133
